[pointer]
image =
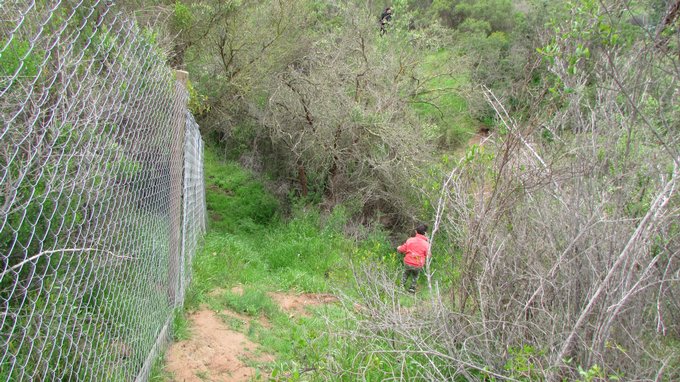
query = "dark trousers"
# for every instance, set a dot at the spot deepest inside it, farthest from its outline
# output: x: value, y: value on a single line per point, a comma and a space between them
x: 410, y: 271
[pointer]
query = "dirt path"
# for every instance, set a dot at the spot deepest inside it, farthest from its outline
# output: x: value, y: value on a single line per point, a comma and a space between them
x: 215, y: 352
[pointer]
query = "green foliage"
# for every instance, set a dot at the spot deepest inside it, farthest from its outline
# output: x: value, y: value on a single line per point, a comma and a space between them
x: 325, y: 14
x: 298, y: 255
x: 577, y: 40
x: 489, y: 53
x: 198, y: 103
x: 59, y: 198
x: 491, y: 45
x: 494, y: 13
x: 240, y: 139
x: 521, y: 363
x: 302, y: 244
x: 107, y: 313
x: 182, y: 18
x: 303, y: 342
x: 484, y: 32
x: 595, y: 374
x: 226, y: 260
x: 306, y: 254
x: 475, y: 26
x: 20, y: 59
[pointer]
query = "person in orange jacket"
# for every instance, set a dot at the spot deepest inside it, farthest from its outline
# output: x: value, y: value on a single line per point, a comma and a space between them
x: 416, y: 250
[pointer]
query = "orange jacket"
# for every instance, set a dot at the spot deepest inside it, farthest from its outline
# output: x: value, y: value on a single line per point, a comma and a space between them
x: 416, y: 249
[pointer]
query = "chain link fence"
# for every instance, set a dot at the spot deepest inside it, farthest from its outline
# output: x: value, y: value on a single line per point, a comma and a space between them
x: 101, y: 193
x: 194, y: 222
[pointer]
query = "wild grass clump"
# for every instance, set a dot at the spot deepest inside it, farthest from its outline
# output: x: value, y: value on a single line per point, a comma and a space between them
x: 251, y: 302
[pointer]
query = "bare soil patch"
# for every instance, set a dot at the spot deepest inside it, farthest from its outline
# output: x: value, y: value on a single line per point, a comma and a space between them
x: 295, y: 304
x: 213, y: 353
x: 217, y: 352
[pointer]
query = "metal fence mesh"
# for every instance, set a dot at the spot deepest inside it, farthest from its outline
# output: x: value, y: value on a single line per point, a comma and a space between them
x: 194, y: 222
x: 101, y: 193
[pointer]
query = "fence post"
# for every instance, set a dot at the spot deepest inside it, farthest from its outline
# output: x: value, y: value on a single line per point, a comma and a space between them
x: 176, y: 196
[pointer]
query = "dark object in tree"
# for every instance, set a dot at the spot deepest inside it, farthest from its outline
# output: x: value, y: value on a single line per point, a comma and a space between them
x: 385, y: 18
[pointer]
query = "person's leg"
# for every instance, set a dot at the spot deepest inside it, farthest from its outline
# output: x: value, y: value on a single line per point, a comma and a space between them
x: 415, y: 272
x: 408, y: 272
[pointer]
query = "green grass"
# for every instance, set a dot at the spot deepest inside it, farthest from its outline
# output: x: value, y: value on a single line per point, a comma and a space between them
x: 236, y: 201
x: 249, y: 244
x: 180, y: 326
x: 157, y: 373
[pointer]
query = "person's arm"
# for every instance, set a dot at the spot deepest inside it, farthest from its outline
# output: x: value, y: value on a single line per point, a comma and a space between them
x: 402, y: 248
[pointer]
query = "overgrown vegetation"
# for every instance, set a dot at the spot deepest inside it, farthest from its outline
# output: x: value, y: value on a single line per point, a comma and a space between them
x: 556, y: 241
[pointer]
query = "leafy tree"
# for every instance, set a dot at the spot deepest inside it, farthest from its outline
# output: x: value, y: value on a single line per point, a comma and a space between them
x: 343, y: 116
x: 493, y: 13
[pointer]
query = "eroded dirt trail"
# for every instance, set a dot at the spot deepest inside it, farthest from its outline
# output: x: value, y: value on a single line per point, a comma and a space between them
x: 215, y: 352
